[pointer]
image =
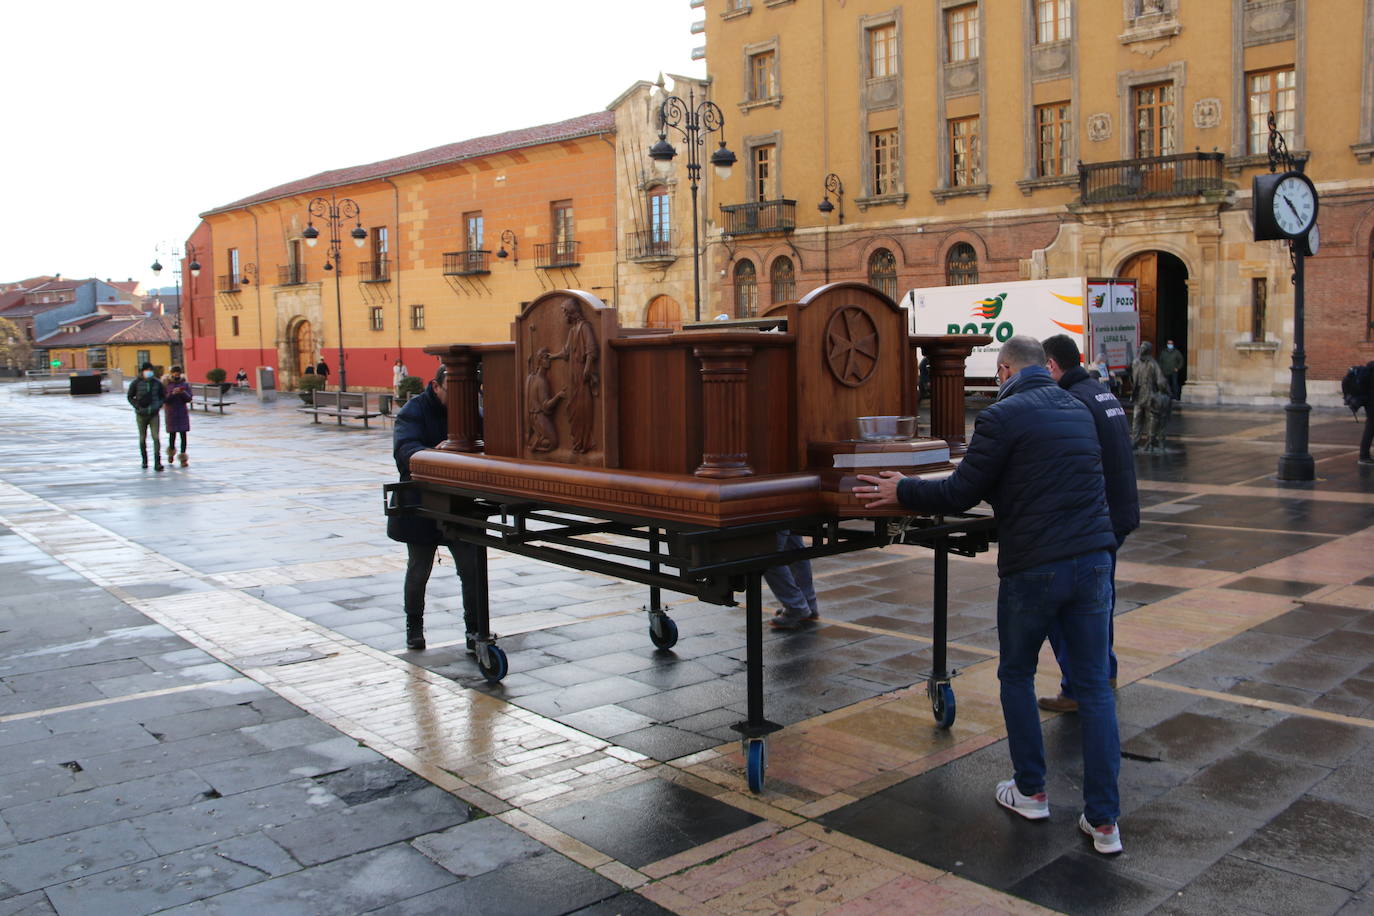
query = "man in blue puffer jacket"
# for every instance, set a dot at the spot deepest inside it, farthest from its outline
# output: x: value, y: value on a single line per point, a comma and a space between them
x: 422, y: 424
x: 1035, y: 458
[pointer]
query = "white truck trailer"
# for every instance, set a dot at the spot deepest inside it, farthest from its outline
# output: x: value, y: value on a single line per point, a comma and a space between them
x: 1100, y: 314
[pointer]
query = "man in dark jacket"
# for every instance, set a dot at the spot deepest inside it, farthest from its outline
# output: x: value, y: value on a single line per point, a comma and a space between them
x: 422, y: 424
x: 146, y: 396
x: 1034, y: 456
x: 1118, y: 468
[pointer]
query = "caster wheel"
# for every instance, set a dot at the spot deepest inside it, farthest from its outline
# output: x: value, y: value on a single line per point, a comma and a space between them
x: 942, y: 703
x: 755, y: 762
x: 497, y: 668
x: 665, y: 637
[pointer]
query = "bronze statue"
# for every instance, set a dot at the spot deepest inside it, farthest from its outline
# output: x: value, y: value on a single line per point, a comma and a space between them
x: 582, y: 353
x: 540, y: 433
x: 1151, y: 393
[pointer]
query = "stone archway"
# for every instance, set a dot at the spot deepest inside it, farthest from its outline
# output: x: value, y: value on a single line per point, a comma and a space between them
x: 302, y: 347
x: 663, y: 312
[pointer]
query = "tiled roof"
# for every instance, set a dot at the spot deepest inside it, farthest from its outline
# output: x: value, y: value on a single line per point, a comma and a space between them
x: 11, y: 299
x: 119, y: 308
x: 29, y: 309
x: 114, y: 331
x: 586, y: 125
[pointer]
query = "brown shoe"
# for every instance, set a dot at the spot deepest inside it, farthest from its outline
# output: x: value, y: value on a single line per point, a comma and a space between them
x: 1060, y: 703
x: 183, y: 459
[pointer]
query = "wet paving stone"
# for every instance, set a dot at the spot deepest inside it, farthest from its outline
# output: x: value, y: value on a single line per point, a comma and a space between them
x: 1082, y: 882
x: 1319, y: 839
x: 1291, y: 588
x: 1313, y: 741
x: 1252, y: 784
x: 548, y: 885
x: 649, y: 821
x: 1211, y: 548
x: 1189, y: 739
x: 1233, y: 881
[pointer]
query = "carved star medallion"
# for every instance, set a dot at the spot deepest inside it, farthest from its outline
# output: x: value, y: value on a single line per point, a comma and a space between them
x: 851, y: 346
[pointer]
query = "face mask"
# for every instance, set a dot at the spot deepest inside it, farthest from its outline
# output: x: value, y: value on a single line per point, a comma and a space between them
x: 147, y: 373
x: 1169, y: 346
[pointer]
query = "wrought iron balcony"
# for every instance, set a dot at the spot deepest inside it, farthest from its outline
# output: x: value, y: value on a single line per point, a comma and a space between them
x: 290, y: 274
x: 650, y: 245
x: 228, y: 283
x: 762, y: 217
x: 556, y: 254
x: 466, y: 263
x: 374, y: 271
x: 1180, y: 175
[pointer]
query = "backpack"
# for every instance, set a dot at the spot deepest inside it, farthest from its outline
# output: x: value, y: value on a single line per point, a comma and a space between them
x: 1355, y: 388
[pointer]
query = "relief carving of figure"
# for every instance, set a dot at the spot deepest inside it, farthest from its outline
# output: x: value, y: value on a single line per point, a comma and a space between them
x: 583, y: 354
x: 540, y: 433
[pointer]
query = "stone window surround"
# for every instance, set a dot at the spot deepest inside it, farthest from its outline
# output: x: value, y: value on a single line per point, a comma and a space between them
x: 751, y: 142
x: 1126, y: 83
x: 877, y: 20
x: 1031, y: 179
x: 1364, y: 150
x: 1240, y: 157
x: 1142, y: 26
x: 865, y: 200
x: 946, y: 190
x: 748, y: 103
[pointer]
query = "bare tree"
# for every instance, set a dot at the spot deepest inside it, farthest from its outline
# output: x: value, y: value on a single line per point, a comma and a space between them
x: 15, y: 350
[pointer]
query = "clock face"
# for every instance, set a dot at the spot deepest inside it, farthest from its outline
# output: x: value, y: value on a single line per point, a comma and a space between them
x: 1295, y: 205
x: 1314, y: 240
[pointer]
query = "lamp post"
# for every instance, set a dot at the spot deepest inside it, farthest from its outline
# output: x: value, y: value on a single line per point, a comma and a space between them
x: 172, y: 252
x: 508, y: 238
x: 693, y: 122
x: 833, y: 185
x: 335, y: 211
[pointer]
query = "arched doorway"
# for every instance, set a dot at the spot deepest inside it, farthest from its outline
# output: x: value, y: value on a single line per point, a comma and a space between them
x: 663, y: 312
x: 1162, y: 297
x: 302, y: 347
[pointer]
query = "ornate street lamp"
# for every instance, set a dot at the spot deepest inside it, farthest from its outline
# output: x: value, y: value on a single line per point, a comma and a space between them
x: 693, y: 122
x: 508, y: 238
x: 173, y: 252
x: 833, y: 185
x: 335, y: 211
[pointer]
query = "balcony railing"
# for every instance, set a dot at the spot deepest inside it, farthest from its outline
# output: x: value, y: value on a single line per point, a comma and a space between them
x: 374, y: 271
x: 228, y: 283
x: 762, y: 217
x: 556, y: 254
x: 466, y: 263
x: 1180, y: 175
x: 650, y: 245
x: 290, y: 274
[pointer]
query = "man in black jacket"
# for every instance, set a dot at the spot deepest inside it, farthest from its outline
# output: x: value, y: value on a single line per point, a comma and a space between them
x: 146, y: 396
x: 422, y: 424
x: 1118, y: 468
x: 1034, y: 456
x: 1366, y: 438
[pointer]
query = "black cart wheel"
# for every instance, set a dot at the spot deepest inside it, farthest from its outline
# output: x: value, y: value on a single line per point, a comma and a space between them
x: 496, y: 666
x: 755, y: 762
x: 941, y: 702
x: 664, y: 636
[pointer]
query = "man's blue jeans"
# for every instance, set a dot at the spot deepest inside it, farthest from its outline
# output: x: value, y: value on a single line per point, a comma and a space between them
x: 1061, y: 651
x: 791, y: 583
x: 1075, y: 593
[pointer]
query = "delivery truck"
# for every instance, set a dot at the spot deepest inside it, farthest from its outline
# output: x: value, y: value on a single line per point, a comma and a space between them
x: 1099, y: 313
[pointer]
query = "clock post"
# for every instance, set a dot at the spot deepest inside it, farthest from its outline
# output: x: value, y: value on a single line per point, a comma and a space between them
x: 1285, y: 207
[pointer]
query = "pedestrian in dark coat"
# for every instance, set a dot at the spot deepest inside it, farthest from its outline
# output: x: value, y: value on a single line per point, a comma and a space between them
x: 145, y: 396
x: 1118, y: 468
x: 1035, y: 458
x: 1367, y: 437
x: 423, y: 423
x: 322, y: 370
x: 177, y: 412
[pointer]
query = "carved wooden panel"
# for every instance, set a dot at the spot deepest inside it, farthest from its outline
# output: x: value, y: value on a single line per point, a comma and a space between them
x: 567, y: 384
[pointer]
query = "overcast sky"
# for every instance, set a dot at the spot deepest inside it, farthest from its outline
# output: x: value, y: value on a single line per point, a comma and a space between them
x: 123, y: 121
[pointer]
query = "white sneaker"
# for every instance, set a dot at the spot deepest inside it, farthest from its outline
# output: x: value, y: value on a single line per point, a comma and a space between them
x: 1106, y: 839
x: 1031, y: 807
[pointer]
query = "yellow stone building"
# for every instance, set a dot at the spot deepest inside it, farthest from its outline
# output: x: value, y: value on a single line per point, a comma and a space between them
x: 999, y: 140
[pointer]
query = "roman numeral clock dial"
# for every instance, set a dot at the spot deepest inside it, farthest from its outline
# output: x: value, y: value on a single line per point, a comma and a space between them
x: 1285, y: 206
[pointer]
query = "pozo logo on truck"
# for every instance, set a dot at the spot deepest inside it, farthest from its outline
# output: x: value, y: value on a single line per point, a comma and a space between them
x: 988, y: 309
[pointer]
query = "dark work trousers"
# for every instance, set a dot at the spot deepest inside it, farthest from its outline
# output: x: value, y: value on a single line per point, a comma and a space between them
x: 149, y: 423
x: 1368, y: 438
x: 419, y: 564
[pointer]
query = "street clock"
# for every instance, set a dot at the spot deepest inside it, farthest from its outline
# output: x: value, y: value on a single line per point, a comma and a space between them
x: 1285, y: 205
x: 1311, y: 243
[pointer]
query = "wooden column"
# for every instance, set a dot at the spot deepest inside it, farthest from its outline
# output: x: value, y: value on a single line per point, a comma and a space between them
x: 724, y: 408
x: 461, y: 384
x: 946, y: 355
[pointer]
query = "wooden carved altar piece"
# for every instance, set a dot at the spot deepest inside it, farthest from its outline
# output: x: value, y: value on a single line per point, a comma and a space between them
x: 946, y: 354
